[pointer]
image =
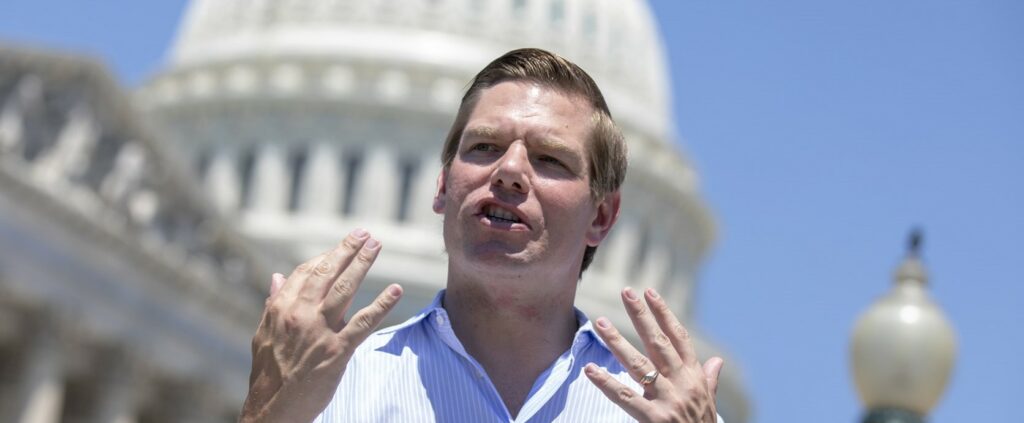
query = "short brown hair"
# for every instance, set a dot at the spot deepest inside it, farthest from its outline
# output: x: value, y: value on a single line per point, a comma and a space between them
x: 606, y: 151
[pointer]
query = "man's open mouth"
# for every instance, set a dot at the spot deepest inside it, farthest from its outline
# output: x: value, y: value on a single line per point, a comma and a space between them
x: 498, y: 214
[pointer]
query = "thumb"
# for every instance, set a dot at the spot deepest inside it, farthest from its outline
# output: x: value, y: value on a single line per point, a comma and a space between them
x: 712, y: 368
x: 277, y: 280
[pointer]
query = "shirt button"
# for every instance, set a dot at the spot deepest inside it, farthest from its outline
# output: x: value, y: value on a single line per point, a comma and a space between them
x: 440, y: 320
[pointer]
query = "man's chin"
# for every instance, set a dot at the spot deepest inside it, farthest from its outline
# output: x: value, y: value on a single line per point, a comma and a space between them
x: 501, y: 256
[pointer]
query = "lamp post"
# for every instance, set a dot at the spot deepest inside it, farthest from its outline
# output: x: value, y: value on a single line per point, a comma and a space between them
x: 903, y: 348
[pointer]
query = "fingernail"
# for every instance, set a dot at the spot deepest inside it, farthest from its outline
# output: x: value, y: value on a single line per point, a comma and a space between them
x: 277, y: 280
x: 359, y: 233
x: 629, y: 293
x: 372, y: 243
x: 653, y: 293
x: 395, y: 291
x: 602, y: 323
x: 590, y: 368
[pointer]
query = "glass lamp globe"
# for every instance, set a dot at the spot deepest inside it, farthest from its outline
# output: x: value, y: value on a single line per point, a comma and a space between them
x: 903, y: 347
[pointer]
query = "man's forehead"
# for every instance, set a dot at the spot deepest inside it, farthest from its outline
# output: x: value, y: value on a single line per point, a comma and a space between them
x: 530, y: 89
x: 528, y: 99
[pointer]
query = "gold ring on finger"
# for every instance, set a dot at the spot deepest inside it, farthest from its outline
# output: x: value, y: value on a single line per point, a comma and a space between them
x: 649, y: 378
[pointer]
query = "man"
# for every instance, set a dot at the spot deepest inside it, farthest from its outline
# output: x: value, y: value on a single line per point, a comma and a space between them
x: 529, y: 188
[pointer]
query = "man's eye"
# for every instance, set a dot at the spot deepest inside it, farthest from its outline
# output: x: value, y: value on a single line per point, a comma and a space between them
x: 549, y: 159
x: 485, y: 147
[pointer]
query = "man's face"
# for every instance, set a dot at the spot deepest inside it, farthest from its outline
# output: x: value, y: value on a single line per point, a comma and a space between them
x: 517, y: 197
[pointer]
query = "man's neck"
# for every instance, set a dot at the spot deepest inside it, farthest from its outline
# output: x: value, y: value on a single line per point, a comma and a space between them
x: 513, y: 335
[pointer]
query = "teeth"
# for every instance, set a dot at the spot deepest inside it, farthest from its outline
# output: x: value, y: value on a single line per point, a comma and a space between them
x: 500, y: 213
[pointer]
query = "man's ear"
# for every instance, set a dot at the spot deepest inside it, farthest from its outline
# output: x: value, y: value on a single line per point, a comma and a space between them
x: 439, y: 199
x: 606, y: 216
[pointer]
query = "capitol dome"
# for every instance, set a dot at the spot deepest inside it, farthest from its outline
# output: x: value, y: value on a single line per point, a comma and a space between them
x: 305, y: 119
x: 615, y: 41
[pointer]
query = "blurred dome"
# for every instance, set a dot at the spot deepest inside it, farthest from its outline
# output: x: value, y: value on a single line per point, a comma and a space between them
x: 616, y: 41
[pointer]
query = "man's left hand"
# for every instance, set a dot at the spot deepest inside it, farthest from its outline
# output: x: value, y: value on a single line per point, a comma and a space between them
x: 682, y: 390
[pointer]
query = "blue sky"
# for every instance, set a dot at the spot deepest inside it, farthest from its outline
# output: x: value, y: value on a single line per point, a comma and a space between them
x: 822, y: 132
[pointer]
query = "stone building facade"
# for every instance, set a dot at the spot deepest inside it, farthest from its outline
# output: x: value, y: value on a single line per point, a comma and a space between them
x: 124, y: 296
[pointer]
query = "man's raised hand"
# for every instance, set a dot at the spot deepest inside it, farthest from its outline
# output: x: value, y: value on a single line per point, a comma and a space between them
x: 303, y: 342
x: 682, y: 390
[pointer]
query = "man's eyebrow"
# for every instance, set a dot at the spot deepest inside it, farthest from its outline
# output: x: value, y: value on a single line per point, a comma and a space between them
x: 556, y: 145
x: 562, y: 150
x: 481, y: 132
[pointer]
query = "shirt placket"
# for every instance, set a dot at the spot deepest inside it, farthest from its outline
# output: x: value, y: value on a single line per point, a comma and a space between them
x: 442, y: 325
x: 558, y: 375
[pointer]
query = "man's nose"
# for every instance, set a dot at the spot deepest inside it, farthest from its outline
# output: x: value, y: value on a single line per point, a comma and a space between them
x: 512, y: 169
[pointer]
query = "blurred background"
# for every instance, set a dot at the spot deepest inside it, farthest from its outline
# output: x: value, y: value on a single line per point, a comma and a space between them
x: 159, y: 159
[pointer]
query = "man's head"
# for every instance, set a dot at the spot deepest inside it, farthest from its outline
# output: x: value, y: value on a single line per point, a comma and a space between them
x: 604, y: 151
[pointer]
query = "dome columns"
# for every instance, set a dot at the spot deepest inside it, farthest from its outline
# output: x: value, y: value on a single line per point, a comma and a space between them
x: 378, y: 185
x: 656, y: 267
x: 222, y: 182
x: 424, y: 187
x: 322, y: 181
x: 618, y: 260
x: 380, y: 179
x: 270, y: 185
x: 651, y: 257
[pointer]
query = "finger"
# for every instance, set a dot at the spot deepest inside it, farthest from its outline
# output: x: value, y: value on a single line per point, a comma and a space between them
x: 368, y: 318
x: 319, y: 276
x: 670, y: 326
x: 299, y: 273
x: 277, y: 280
x: 712, y: 369
x: 635, y: 363
x: 658, y: 346
x: 341, y: 291
x: 632, y: 402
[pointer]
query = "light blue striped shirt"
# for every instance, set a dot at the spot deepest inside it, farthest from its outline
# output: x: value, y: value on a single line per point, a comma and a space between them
x: 418, y: 371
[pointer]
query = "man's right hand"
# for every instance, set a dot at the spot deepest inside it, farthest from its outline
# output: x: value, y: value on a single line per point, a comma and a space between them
x: 303, y: 342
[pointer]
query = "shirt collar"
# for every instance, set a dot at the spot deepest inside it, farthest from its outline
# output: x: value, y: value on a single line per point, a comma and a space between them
x: 584, y: 334
x: 426, y: 312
